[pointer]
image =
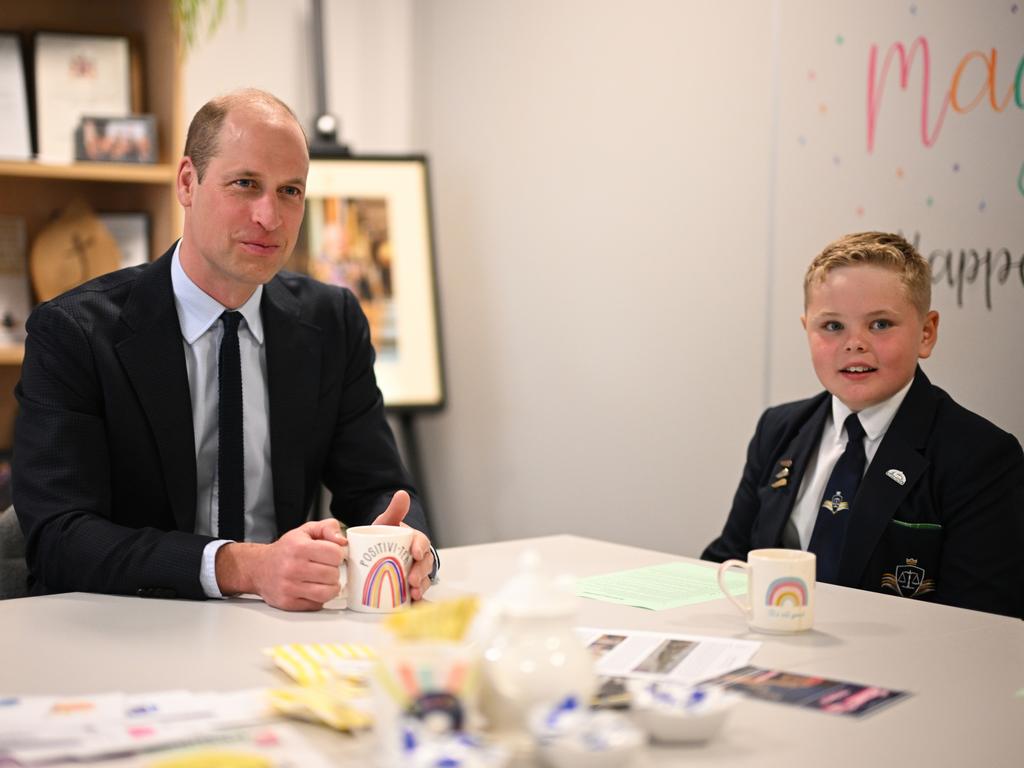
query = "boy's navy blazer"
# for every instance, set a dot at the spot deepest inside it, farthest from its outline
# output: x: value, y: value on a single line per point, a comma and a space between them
x: 952, y: 532
x: 104, y: 455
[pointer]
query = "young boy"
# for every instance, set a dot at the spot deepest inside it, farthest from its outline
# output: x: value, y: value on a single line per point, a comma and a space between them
x: 894, y: 486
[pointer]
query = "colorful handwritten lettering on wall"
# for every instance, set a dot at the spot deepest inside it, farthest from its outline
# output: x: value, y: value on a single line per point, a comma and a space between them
x: 952, y: 96
x: 967, y: 265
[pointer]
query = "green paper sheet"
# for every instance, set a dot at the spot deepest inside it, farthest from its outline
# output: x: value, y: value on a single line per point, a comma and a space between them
x: 657, y: 587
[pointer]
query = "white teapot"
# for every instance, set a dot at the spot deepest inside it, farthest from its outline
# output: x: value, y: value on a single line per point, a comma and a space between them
x: 532, y: 654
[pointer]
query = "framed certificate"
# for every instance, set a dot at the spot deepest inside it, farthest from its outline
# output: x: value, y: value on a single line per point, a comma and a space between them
x: 77, y: 75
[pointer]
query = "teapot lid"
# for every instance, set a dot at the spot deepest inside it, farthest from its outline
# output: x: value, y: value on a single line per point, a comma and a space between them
x: 532, y: 592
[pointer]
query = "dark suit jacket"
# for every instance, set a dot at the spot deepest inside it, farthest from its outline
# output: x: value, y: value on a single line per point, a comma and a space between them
x: 104, y: 453
x: 953, y: 533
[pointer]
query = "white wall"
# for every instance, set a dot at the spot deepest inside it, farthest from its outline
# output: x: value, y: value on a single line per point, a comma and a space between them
x: 606, y: 197
x: 267, y: 44
x: 601, y: 171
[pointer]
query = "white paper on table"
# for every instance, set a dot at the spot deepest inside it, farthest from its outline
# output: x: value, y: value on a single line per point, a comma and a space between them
x: 15, y: 142
x: 686, y: 659
x: 54, y: 723
x: 60, y: 711
x: 44, y: 729
x: 244, y: 707
x: 280, y: 743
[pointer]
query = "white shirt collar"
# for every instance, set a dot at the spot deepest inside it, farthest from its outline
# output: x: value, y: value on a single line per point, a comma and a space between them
x: 875, y: 419
x: 197, y: 311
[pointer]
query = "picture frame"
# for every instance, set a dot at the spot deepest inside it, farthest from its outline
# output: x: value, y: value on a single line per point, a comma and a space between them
x: 368, y: 227
x: 131, y: 231
x: 77, y: 75
x: 116, y: 139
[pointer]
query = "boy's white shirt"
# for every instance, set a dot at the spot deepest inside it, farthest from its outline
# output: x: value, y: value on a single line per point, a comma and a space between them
x: 875, y: 420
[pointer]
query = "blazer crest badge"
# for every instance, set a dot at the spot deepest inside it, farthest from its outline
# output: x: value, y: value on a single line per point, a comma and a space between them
x: 908, y: 580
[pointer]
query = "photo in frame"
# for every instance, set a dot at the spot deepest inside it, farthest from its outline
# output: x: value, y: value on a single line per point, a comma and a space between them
x: 368, y: 228
x: 116, y: 139
x: 131, y: 231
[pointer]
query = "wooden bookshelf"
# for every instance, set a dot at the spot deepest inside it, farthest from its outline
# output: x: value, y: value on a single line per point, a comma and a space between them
x: 125, y: 173
x: 11, y: 354
x: 38, y: 191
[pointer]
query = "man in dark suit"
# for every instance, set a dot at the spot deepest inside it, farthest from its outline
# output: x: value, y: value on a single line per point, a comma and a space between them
x: 122, y: 481
x: 936, y: 511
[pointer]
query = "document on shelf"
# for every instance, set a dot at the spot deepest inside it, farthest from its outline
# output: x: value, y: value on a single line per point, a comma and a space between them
x: 15, y: 143
x: 667, y: 585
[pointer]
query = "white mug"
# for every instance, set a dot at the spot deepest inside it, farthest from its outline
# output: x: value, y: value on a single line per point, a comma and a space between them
x: 376, y: 568
x: 780, y: 589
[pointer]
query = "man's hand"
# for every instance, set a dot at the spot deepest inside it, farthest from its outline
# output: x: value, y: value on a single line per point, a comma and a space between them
x: 422, y: 555
x: 298, y: 572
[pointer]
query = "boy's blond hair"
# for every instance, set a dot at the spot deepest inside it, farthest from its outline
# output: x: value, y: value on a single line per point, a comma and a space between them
x: 881, y: 249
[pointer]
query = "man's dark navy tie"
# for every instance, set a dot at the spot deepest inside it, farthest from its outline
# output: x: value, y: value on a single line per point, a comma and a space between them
x: 230, y: 459
x: 837, y: 504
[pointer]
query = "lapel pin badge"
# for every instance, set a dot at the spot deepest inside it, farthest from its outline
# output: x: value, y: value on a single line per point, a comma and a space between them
x: 781, y: 477
x: 896, y: 476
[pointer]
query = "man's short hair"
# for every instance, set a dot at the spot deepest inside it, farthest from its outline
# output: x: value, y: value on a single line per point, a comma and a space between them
x: 201, y: 143
x: 881, y: 249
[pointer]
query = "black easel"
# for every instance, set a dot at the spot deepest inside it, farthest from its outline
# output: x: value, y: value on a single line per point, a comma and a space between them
x: 325, y: 126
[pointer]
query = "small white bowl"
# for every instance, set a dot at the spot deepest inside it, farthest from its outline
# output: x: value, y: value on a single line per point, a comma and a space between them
x: 569, y: 736
x: 671, y: 712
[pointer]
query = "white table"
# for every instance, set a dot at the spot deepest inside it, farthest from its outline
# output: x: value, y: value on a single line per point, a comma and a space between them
x: 964, y: 668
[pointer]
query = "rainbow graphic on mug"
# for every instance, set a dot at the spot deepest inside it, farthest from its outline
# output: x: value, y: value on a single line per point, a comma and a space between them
x: 787, y: 591
x: 385, y: 581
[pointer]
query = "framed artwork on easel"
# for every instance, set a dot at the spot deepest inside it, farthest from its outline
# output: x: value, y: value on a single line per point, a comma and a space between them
x: 368, y: 228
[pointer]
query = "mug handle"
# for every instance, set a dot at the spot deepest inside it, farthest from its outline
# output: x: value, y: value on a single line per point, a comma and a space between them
x: 343, y: 574
x: 746, y: 610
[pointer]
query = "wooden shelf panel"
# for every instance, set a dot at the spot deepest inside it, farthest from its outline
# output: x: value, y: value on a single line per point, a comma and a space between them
x: 159, y: 173
x: 36, y: 191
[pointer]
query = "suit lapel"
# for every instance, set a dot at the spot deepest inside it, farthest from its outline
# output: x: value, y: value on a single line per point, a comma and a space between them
x: 293, y: 380
x: 154, y: 361
x: 778, y: 502
x: 879, y: 496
